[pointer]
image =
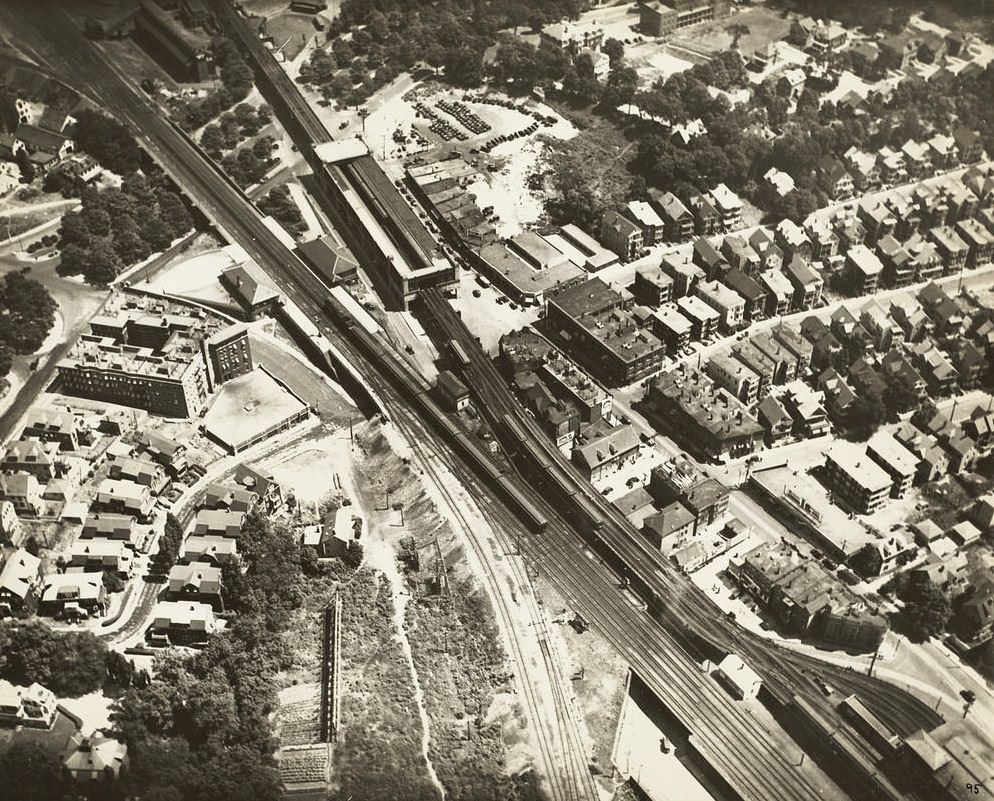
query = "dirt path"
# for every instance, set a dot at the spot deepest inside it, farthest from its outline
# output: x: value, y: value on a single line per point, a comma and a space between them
x: 380, y: 555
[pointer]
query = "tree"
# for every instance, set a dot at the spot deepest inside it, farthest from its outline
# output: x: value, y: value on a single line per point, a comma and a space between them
x: 622, y: 82
x: 169, y: 545
x: 212, y: 141
x: 27, y: 313
x: 926, y: 610
x: 25, y: 165
x: 31, y: 772
x: 614, y: 50
x: 867, y: 561
x: 6, y: 358
x: 68, y: 663
x: 103, y: 263
x: 32, y: 546
x: 174, y: 213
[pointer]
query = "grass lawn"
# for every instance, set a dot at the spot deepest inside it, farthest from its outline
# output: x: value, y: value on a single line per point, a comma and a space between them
x: 754, y: 28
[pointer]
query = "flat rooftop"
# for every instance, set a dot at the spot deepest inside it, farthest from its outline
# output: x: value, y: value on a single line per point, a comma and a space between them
x: 808, y: 498
x: 528, y: 280
x: 248, y: 406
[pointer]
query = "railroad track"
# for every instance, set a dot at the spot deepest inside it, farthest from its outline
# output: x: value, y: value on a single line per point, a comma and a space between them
x: 655, y: 653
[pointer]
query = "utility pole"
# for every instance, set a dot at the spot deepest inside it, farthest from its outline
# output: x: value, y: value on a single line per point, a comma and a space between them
x: 873, y: 660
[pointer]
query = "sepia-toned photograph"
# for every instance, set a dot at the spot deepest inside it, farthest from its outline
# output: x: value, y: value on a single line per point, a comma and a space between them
x: 492, y: 400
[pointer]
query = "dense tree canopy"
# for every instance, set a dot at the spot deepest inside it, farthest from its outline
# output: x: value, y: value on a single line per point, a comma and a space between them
x: 27, y: 312
x: 109, y: 142
x: 68, y: 663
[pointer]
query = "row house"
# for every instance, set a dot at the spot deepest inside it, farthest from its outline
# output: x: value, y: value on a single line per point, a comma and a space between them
x: 770, y: 254
x: 621, y: 236
x: 891, y: 167
x: 734, y: 376
x: 707, y: 219
x: 740, y: 254
x: 835, y: 179
x: 678, y: 221
x: 799, y: 348
x: 942, y: 151
x: 686, y: 275
x: 750, y: 291
x: 823, y: 240
x: 863, y: 270
x: 55, y: 425
x: 729, y: 206
x: 952, y: 249
x: 793, y: 240
x: 878, y: 220
x: 645, y: 217
x: 784, y: 362
x: 759, y: 363
x: 711, y: 262
x: 979, y: 242
x: 141, y: 471
x: 968, y: 145
x: 808, y: 284
x: 863, y: 168
x: 899, y: 269
x: 779, y: 292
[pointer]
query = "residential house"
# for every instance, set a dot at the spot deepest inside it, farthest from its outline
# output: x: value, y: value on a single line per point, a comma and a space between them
x: 214, y: 550
x: 740, y: 254
x: 96, y: 759
x: 877, y: 219
x: 952, y: 249
x: 102, y: 555
x: 55, y: 425
x: 806, y: 407
x: 140, y: 471
x: 707, y: 219
x: 759, y: 363
x: 652, y: 286
x: 917, y: 158
x: 850, y: 231
x: 779, y: 181
x: 863, y: 269
x: 726, y: 301
x: 765, y: 246
x: 807, y: 283
x: 711, y: 262
x: 230, y: 498
x: 835, y: 179
x: 891, y: 166
x: 939, y: 373
x: 824, y: 241
x: 622, y: 236
x: 979, y: 241
x: 170, y: 454
x: 898, y: 267
x: 23, y: 492
x: 672, y: 328
x: 645, y: 217
x: 678, y: 221
x: 885, y: 333
x: 685, y: 274
x: 183, y: 622
x: 750, y: 291
x: 262, y: 484
x: 838, y: 394
x: 218, y: 523
x: 196, y: 581
x: 943, y: 152
x: 775, y: 420
x: 703, y: 318
x: 793, y: 240
x: 729, y: 206
x: 968, y: 145
x: 971, y: 364
x: 72, y: 595
x: 124, y: 497
x: 40, y: 459
x: 20, y: 577
x: 980, y: 428
x: 673, y: 524
x: 779, y: 292
x: 863, y: 168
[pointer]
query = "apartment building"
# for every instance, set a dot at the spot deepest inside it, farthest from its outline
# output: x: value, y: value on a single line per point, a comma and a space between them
x: 862, y: 483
